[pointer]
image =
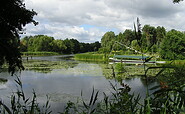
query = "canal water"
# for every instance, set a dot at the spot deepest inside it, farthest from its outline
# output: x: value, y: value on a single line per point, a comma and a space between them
x: 65, y: 84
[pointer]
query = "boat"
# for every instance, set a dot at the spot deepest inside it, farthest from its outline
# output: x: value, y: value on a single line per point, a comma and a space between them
x: 127, y: 59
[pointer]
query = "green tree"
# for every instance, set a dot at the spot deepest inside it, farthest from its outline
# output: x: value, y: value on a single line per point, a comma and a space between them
x: 128, y: 36
x: 119, y: 38
x: 150, y: 33
x: 160, y: 34
x: 24, y: 44
x: 39, y: 43
x: 69, y: 46
x: 173, y: 45
x: 107, y: 40
x: 75, y: 46
x: 135, y: 45
x: 96, y: 45
x: 13, y: 17
x: 57, y: 46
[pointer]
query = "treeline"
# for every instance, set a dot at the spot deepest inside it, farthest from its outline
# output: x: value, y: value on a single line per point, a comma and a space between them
x: 155, y: 40
x: 45, y: 43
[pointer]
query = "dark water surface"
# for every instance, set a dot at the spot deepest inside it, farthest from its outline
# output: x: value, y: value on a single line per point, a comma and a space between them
x: 65, y: 84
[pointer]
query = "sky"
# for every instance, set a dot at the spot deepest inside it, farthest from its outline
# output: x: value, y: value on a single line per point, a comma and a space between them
x: 88, y: 20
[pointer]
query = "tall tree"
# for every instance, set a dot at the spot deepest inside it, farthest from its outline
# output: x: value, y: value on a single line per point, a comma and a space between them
x: 160, y: 34
x: 173, y: 46
x: 150, y: 33
x: 107, y: 40
x: 128, y: 37
x: 69, y: 46
x: 58, y: 46
x: 13, y: 17
x: 75, y: 46
x: 96, y: 45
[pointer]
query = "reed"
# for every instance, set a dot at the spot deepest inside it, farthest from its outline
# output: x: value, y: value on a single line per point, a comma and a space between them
x: 90, y: 57
x: 179, y: 62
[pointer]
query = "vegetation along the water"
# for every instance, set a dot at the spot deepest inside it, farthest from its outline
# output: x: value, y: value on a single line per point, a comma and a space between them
x: 169, y: 94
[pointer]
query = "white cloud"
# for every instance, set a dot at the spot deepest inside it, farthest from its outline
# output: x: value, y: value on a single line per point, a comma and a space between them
x: 62, y: 32
x: 64, y: 18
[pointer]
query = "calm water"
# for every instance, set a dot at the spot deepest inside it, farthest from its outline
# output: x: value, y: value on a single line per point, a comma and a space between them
x: 65, y: 84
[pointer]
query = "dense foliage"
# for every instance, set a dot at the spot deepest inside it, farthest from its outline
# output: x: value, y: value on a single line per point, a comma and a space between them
x: 46, y: 43
x: 173, y: 46
x: 154, y: 40
x: 13, y: 16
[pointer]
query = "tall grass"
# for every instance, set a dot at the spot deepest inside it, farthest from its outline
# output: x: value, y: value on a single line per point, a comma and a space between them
x: 90, y: 57
x: 177, y: 62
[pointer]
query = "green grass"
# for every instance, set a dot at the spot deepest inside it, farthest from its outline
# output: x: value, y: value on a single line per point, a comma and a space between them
x: 90, y: 57
x: 39, y: 53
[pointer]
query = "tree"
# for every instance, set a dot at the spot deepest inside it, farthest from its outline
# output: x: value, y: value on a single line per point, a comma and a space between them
x: 13, y: 17
x: 96, y: 45
x: 128, y: 37
x: 58, y: 46
x: 150, y: 33
x: 173, y: 46
x: 37, y: 43
x: 69, y: 46
x: 43, y: 43
x: 107, y: 40
x: 75, y: 46
x: 161, y: 33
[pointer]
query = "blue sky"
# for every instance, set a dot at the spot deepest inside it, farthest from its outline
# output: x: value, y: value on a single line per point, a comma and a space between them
x: 89, y: 20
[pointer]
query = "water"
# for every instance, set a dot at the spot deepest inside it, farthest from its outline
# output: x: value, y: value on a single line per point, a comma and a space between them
x: 65, y: 84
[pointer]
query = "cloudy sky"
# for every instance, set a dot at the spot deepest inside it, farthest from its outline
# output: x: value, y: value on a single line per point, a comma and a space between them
x: 88, y: 20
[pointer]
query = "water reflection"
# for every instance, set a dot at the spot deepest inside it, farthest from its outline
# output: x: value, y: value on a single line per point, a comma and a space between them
x: 66, y: 83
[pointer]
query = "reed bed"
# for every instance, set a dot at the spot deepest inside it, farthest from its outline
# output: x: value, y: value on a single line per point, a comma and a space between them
x: 176, y: 62
x: 179, y: 62
x: 90, y: 57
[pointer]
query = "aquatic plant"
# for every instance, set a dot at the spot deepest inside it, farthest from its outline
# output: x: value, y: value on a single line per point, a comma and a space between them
x: 45, y: 66
x: 19, y: 103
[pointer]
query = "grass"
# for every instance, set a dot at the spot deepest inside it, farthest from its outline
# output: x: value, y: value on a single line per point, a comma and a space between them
x: 178, y: 62
x: 39, y: 53
x: 90, y: 57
